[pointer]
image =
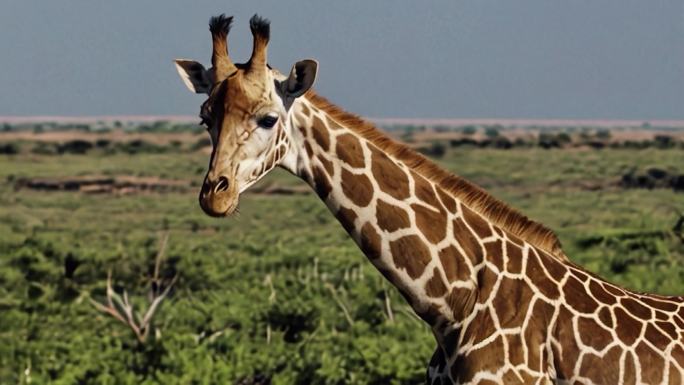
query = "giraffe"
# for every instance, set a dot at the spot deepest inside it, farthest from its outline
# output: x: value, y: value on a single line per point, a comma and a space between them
x: 504, y: 303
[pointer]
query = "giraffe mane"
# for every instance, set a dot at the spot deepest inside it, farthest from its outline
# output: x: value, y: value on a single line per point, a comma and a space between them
x: 473, y: 196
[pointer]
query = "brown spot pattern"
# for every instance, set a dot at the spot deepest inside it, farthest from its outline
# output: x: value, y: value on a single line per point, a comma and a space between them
x: 357, y: 187
x: 539, y: 278
x: 535, y: 334
x: 675, y: 377
x: 435, y: 286
x: 346, y: 217
x: 321, y: 134
x: 613, y: 290
x: 370, y: 241
x: 467, y: 241
x: 627, y: 327
x: 454, y: 264
x: 494, y: 253
x: 512, y: 307
x: 678, y: 353
x: 598, y: 338
x: 447, y: 200
x: 487, y: 280
x: 630, y: 369
x: 577, y: 298
x: 431, y: 223
x: 605, y: 317
x: 635, y: 308
x: 309, y: 150
x: 552, y: 265
x: 652, y: 364
x: 516, y: 355
x: 476, y: 222
x: 326, y: 164
x: 349, y: 150
x: 662, y: 305
x: 602, y: 370
x: 657, y: 338
x: 411, y: 254
x: 580, y: 275
x: 321, y: 183
x: 391, y: 179
x: 390, y: 217
x: 668, y: 328
x: 514, y: 253
x: 601, y: 294
x: 424, y: 190
x: 305, y: 109
x: 569, y: 353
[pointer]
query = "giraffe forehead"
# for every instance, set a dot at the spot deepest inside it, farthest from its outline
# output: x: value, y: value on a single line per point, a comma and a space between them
x: 246, y: 95
x: 243, y: 91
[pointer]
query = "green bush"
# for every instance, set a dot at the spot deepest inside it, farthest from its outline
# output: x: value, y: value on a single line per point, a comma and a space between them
x: 9, y: 148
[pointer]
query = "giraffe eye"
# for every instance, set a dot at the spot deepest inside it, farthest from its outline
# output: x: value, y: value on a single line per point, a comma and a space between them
x: 267, y: 121
x: 205, y: 117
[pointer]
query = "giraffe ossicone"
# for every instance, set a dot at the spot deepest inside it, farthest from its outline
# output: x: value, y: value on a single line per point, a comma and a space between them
x: 504, y: 302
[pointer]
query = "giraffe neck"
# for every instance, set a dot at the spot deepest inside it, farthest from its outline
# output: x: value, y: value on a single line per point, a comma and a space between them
x: 404, y: 223
x: 484, y: 288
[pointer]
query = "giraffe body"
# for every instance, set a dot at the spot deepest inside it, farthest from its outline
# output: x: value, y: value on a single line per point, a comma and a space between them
x: 505, y: 304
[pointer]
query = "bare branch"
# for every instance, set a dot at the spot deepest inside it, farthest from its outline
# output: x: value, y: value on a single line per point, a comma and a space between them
x: 120, y: 307
x: 160, y: 257
x: 156, y: 302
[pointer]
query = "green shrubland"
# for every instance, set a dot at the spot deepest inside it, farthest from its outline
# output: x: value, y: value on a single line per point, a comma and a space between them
x: 278, y: 291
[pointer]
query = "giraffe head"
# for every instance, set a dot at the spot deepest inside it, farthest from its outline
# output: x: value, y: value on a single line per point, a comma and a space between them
x: 246, y: 113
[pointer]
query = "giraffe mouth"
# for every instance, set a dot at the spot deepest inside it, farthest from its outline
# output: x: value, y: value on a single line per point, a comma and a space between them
x: 218, y: 205
x: 219, y: 213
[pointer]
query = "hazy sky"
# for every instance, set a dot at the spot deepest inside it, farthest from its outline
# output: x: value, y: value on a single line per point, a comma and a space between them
x: 465, y: 59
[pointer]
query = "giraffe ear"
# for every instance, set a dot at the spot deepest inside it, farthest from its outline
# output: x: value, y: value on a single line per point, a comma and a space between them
x: 302, y: 77
x: 193, y: 74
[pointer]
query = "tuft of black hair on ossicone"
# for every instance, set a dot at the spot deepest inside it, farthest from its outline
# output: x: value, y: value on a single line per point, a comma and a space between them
x: 220, y: 25
x: 260, y: 26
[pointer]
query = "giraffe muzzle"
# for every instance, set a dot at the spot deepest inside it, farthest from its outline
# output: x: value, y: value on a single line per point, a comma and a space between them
x: 219, y: 197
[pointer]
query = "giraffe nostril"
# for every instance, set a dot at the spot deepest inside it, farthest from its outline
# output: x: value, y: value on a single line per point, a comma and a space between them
x: 206, y: 187
x: 221, y: 185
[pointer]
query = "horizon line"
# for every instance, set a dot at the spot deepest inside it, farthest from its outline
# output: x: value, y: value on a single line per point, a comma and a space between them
x: 18, y: 119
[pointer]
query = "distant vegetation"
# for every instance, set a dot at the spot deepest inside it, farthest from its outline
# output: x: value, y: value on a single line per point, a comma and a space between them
x: 162, y: 126
x: 103, y: 138
x: 430, y: 140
